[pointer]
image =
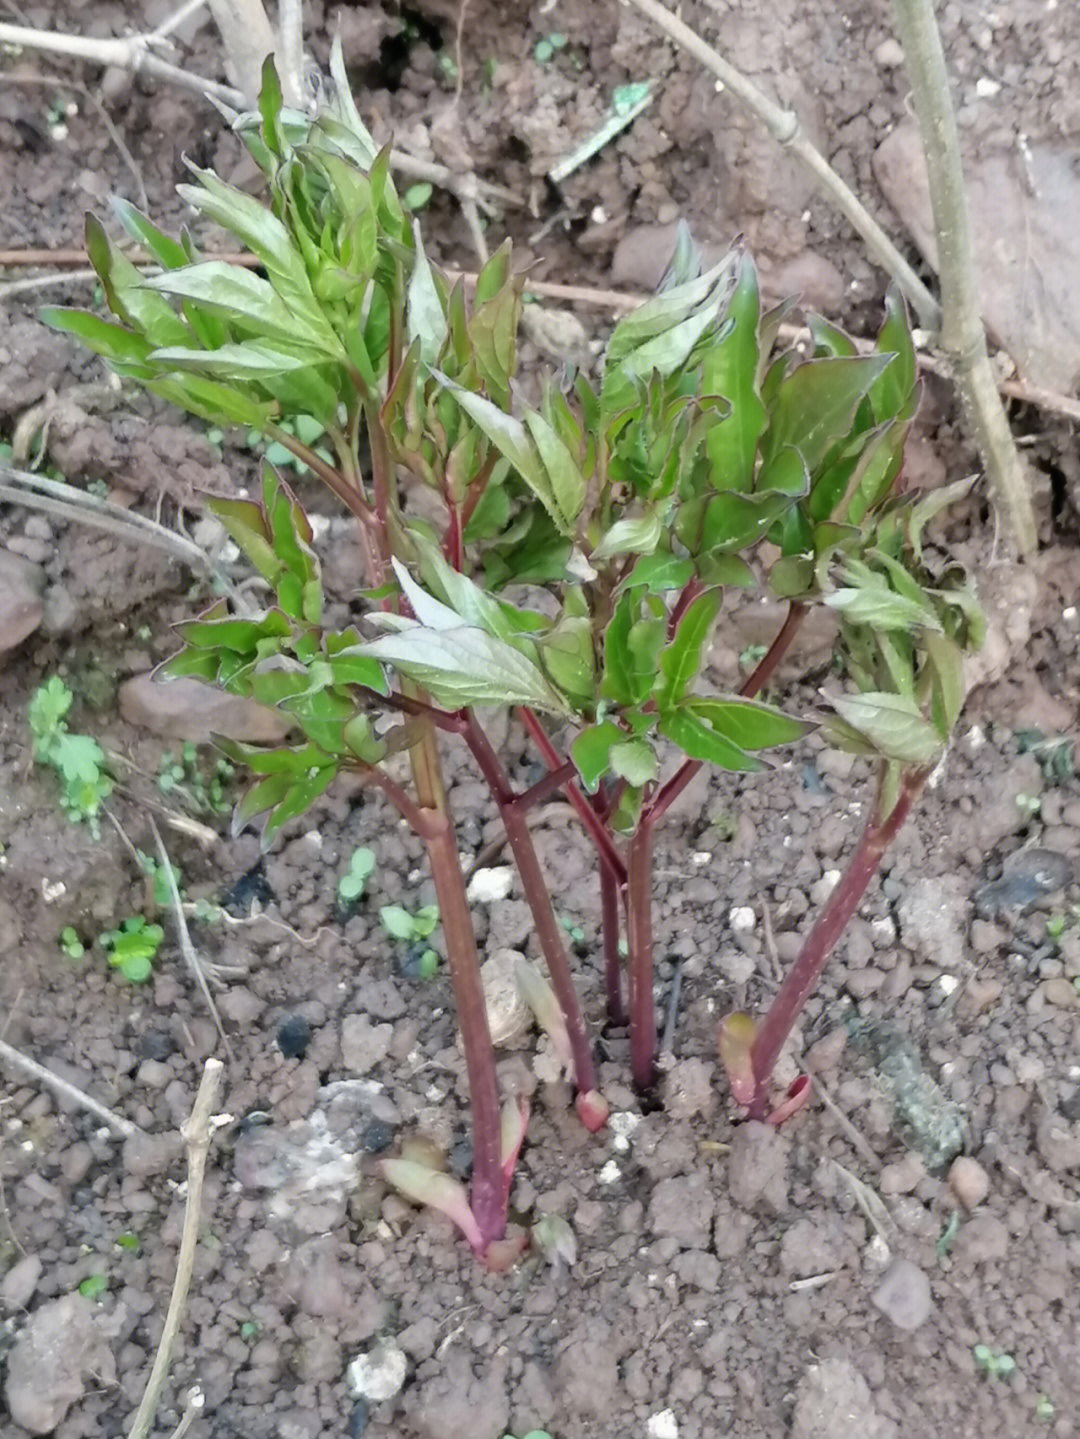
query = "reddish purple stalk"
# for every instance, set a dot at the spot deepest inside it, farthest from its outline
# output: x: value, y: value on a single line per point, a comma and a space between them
x: 774, y: 1029
x: 639, y: 937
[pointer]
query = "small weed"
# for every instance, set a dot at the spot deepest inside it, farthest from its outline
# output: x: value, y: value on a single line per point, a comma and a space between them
x: 250, y: 1330
x: 546, y: 48
x: 353, y: 882
x: 1053, y: 752
x: 573, y: 929
x: 78, y: 759
x: 1044, y: 1408
x: 994, y: 1362
x: 162, y: 891
x: 417, y: 196
x: 93, y: 1286
x: 184, y: 777
x: 128, y: 1240
x: 70, y: 943
x: 751, y: 655
x: 400, y: 924
x: 949, y: 1231
x: 132, y: 947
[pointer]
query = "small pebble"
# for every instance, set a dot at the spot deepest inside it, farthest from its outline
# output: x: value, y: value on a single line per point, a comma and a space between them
x: 903, y: 1295
x: 294, y: 1036
x: 889, y: 54
x: 377, y: 1137
x: 377, y: 1375
x: 156, y: 1044
x: 969, y: 1181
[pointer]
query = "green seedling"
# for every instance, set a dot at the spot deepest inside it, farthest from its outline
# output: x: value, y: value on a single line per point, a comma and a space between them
x: 417, y: 196
x: 250, y: 1329
x: 353, y: 882
x: 994, y: 1362
x: 1045, y: 1409
x: 400, y: 924
x: 78, y: 759
x: 636, y: 501
x: 93, y: 1286
x: 949, y: 1230
x: 161, y: 890
x: 70, y: 943
x: 129, y: 1241
x: 751, y: 656
x: 132, y: 947
x: 1029, y: 804
x: 183, y: 776
x: 548, y: 46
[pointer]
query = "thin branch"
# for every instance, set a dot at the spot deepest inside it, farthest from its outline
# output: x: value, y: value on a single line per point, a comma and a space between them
x: 783, y: 126
x: 33, y: 1070
x: 187, y: 949
x: 196, y: 1133
x: 247, y: 38
x: 132, y: 53
x: 963, y: 336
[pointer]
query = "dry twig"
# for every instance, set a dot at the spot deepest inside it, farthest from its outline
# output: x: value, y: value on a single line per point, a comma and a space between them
x: 196, y: 1133
x: 30, y: 1067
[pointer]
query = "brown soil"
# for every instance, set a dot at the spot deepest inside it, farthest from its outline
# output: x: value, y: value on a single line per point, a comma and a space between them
x: 725, y: 1274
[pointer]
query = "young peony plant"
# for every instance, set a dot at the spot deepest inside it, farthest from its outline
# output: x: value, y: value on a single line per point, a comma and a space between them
x: 569, y: 561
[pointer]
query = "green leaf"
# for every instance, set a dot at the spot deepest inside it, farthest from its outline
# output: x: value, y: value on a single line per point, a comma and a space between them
x: 631, y: 536
x: 633, y: 760
x: 568, y: 657
x: 169, y: 251
x: 700, y: 741
x: 123, y: 348
x: 126, y: 294
x: 658, y: 573
x: 815, y: 405
x: 681, y: 660
x: 240, y: 295
x: 893, y: 392
x: 950, y: 691
x: 882, y: 608
x: 466, y: 666
x: 590, y: 750
x: 924, y: 510
x: 300, y: 797
x: 398, y: 922
x: 247, y: 524
x: 747, y: 723
x: 566, y: 480
x: 729, y: 369
x: 893, y: 724
x: 248, y: 360
x: 729, y: 521
x: 263, y: 795
x: 426, y: 315
x: 828, y: 340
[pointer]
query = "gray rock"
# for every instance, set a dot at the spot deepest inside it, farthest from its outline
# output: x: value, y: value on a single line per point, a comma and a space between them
x: 21, y: 607
x: 833, y: 1399
x: 45, y: 1369
x: 682, y: 1208
x: 188, y: 709
x: 932, y: 913
x: 903, y: 1295
x: 18, y: 1284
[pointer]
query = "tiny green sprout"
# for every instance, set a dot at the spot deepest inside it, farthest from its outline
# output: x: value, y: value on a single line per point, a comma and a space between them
x: 250, y: 1330
x: 128, y: 1240
x: 70, y: 943
x: 160, y: 876
x: 1031, y: 804
x: 132, y: 947
x: 93, y: 1286
x: 353, y: 882
x: 427, y: 965
x: 555, y: 1239
x: 993, y: 1362
x: 949, y: 1231
x: 1055, y: 926
x: 78, y: 759
x: 545, y: 48
x: 446, y: 65
x: 750, y: 656
x: 400, y: 924
x: 573, y: 929
x: 417, y: 196
x: 1044, y: 1408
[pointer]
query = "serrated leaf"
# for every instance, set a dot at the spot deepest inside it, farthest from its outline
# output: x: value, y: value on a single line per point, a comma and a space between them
x: 882, y: 608
x: 729, y: 521
x: 729, y: 369
x: 566, y: 480
x: 238, y: 294
x: 747, y: 723
x: 700, y: 741
x: 681, y: 660
x: 115, y: 342
x: 590, y: 750
x: 163, y: 247
x: 815, y: 405
x: 466, y: 666
x: 633, y: 760
x: 893, y: 724
x: 630, y: 537
x: 950, y: 690
x: 924, y: 510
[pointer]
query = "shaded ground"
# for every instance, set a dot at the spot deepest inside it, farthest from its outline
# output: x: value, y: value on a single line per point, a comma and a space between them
x: 725, y: 1274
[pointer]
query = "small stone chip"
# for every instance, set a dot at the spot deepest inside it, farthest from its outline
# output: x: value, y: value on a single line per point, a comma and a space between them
x: 904, y: 1295
x: 969, y: 1181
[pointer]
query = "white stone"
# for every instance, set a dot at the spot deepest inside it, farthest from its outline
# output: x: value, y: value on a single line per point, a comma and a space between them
x: 377, y: 1375
x: 662, y: 1425
x: 742, y: 919
x: 610, y: 1174
x: 949, y: 983
x: 488, y: 886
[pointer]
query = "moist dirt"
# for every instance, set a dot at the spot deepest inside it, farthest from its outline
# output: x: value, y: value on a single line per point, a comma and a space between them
x: 842, y: 1276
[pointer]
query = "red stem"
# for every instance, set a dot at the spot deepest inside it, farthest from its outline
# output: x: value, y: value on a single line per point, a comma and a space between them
x: 488, y: 1189
x: 539, y: 898
x: 640, y: 958
x: 609, y: 855
x: 840, y: 906
x: 609, y: 919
